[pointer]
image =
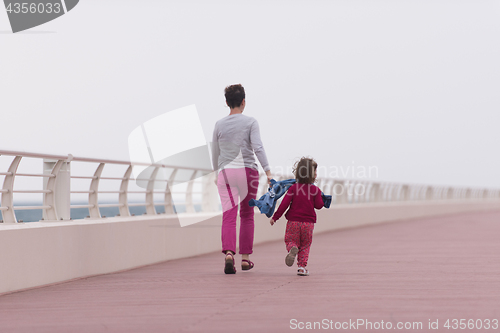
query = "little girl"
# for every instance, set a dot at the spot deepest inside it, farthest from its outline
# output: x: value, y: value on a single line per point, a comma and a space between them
x: 302, y: 197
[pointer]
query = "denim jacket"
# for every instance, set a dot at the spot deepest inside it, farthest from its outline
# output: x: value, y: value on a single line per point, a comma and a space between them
x: 267, y: 202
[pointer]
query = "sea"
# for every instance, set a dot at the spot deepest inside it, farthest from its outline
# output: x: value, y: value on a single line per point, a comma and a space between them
x: 36, y: 215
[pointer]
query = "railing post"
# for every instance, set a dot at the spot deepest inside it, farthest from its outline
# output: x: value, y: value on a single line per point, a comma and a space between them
x: 150, y: 203
x: 169, y: 203
x: 437, y: 192
x: 339, y: 192
x: 369, y: 195
x: 385, y: 192
x: 429, y: 192
x: 405, y: 193
x: 360, y: 195
x: 389, y: 192
x: 443, y: 191
x: 374, y: 192
x: 450, y: 193
x: 123, y: 196
x: 422, y: 192
x: 59, y: 186
x: 380, y: 192
x: 93, y: 195
x: 9, y: 216
x: 349, y: 191
x: 394, y: 192
x: 444, y: 195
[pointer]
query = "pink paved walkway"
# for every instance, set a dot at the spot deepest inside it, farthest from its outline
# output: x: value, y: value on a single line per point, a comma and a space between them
x: 413, y: 271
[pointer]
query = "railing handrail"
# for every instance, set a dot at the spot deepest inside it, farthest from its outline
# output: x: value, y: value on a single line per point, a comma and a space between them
x: 69, y: 158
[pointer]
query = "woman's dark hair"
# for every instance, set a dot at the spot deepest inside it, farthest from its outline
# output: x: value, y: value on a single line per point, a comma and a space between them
x: 304, y: 170
x: 235, y: 95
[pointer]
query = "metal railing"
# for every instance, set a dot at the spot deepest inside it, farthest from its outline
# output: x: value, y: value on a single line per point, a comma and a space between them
x: 57, y: 191
x: 363, y: 191
x: 55, y: 196
x: 345, y: 191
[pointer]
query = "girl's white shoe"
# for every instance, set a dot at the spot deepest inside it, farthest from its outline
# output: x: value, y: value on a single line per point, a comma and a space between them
x: 303, y: 271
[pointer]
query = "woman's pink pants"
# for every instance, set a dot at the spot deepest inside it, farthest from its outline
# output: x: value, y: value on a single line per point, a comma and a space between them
x: 237, y: 186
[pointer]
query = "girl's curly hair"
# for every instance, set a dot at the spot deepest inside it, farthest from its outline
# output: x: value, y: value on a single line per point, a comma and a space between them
x: 304, y: 170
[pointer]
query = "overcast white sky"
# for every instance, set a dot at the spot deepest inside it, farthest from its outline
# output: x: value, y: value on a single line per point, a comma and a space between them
x: 411, y: 87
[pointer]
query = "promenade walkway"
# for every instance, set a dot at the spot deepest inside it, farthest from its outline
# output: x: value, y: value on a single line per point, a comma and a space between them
x: 413, y: 271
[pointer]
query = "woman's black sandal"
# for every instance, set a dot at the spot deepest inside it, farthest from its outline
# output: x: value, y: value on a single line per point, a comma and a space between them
x: 229, y: 267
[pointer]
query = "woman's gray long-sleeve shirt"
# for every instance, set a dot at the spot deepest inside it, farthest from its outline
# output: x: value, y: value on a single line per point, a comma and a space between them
x: 236, y: 138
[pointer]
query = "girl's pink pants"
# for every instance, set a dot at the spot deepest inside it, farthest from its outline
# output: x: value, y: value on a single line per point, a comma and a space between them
x: 299, y: 234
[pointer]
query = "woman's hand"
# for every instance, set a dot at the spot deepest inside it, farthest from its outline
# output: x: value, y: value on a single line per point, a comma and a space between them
x: 269, y: 176
x: 272, y: 222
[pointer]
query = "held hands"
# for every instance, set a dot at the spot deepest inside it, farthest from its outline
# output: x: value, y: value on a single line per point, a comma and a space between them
x: 272, y: 222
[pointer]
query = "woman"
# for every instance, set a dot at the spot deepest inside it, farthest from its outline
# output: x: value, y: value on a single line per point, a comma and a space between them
x: 236, y: 138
